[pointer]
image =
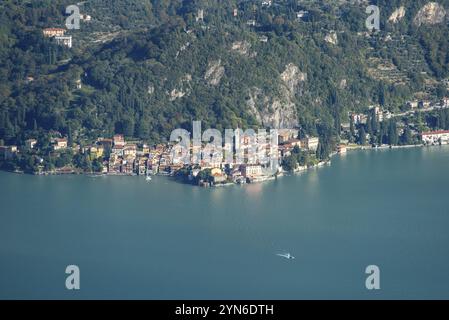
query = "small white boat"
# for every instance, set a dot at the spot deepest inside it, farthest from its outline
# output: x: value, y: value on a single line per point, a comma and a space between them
x: 286, y: 256
x: 148, y: 178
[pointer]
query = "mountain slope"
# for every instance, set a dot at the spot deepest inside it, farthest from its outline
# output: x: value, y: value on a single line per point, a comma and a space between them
x: 147, y: 67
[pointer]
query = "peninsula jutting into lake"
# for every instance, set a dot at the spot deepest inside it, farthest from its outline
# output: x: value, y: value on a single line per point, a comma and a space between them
x: 123, y: 122
x: 293, y: 153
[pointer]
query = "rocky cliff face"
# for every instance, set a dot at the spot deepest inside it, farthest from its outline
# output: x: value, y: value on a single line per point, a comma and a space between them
x: 279, y: 111
x: 292, y: 78
x: 184, y: 88
x: 214, y: 73
x: 242, y: 48
x: 397, y: 15
x: 332, y: 38
x: 431, y: 14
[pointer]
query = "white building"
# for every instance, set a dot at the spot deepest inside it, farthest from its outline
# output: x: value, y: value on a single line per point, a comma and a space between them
x: 267, y: 3
x: 378, y: 113
x: 30, y: 144
x: 200, y: 15
x: 263, y: 39
x: 85, y: 17
x: 359, y: 118
x: 445, y: 102
x: 435, y: 137
x: 412, y: 104
x: 64, y: 40
x: 251, y: 170
x: 301, y: 14
x: 310, y: 143
x: 60, y: 144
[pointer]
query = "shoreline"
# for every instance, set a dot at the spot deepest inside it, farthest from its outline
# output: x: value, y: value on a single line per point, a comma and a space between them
x: 297, y: 171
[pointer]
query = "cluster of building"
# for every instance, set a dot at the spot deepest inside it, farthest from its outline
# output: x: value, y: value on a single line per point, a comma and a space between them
x: 133, y: 158
x: 288, y: 141
x: 378, y: 112
x: 412, y: 106
x: 120, y: 157
x: 425, y: 104
x: 252, y: 169
x: 9, y: 152
x: 59, y: 35
x: 440, y: 137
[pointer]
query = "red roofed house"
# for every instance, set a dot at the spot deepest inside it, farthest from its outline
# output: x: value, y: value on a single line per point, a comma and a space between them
x: 119, y: 140
x: 54, y: 32
x: 60, y: 144
x: 435, y: 137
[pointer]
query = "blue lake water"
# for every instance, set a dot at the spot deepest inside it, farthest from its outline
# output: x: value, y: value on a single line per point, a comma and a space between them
x: 165, y: 240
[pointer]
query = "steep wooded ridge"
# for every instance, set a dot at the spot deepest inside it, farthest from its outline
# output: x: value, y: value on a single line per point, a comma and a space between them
x: 143, y: 68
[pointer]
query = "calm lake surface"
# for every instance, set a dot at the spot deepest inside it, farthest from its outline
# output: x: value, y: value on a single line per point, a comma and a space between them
x: 165, y: 240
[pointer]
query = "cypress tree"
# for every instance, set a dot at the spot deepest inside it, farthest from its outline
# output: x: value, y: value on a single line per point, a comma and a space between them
x: 362, y: 135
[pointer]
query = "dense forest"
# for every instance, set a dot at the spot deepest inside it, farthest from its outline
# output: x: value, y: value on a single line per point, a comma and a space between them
x: 147, y: 67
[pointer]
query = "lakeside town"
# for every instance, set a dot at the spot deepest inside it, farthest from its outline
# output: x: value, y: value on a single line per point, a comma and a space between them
x: 118, y: 156
x: 58, y: 153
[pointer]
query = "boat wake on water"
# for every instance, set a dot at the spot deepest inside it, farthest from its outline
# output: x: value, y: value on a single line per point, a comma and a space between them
x: 287, y: 256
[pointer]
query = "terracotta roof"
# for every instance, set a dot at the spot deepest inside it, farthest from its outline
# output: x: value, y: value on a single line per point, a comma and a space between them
x: 435, y: 132
x: 54, y: 29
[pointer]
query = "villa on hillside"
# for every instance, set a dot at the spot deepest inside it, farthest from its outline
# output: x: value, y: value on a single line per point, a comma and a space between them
x: 53, y: 32
x: 435, y: 137
x: 310, y: 143
x: 64, y: 41
x: 60, y: 144
x: 30, y: 144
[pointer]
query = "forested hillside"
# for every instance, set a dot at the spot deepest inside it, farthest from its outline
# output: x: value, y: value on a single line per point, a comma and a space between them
x: 147, y: 67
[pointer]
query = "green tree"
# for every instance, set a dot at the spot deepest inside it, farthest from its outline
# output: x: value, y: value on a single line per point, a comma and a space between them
x: 407, y: 138
x: 97, y: 165
x: 393, y: 133
x: 362, y: 135
x: 289, y: 163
